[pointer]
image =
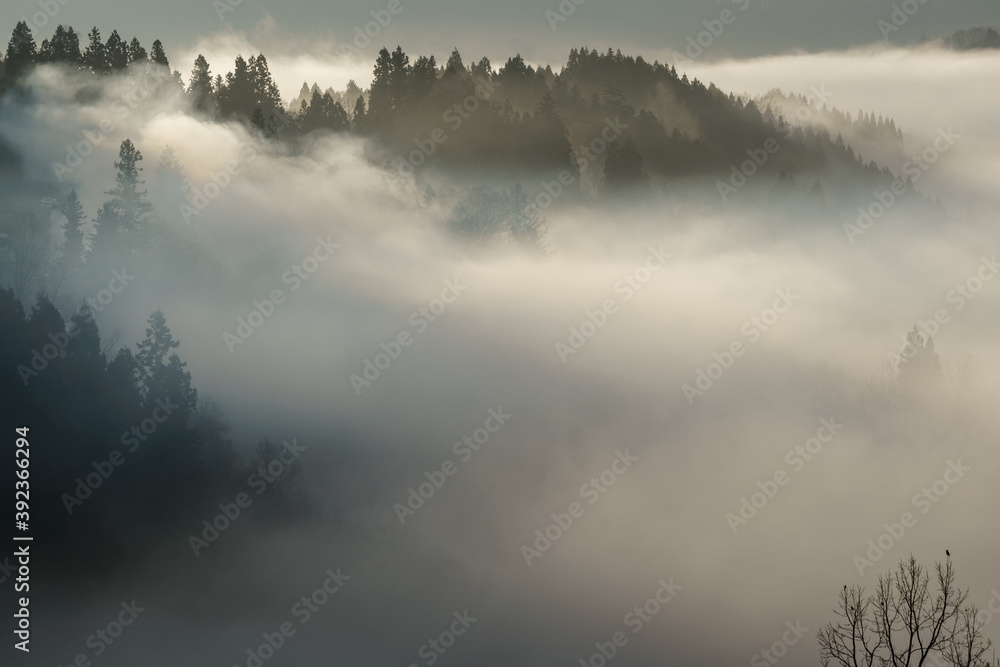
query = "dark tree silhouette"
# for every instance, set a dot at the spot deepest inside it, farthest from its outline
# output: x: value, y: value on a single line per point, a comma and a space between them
x: 136, y: 54
x: 122, y: 221
x: 73, y: 241
x: 26, y: 254
x: 359, y: 119
x: 200, y: 87
x: 624, y: 169
x: 21, y: 51
x: 904, y: 622
x: 64, y: 47
x: 116, y: 51
x: 158, y: 55
x: 96, y: 55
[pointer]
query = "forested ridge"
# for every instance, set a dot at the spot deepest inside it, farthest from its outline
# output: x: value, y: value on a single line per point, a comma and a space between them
x: 515, y: 120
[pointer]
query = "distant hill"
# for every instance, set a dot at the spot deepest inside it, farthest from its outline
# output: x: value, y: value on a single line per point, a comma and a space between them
x: 614, y: 121
x: 973, y: 39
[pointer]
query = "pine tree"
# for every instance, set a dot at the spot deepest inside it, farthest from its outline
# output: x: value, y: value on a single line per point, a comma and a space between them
x: 304, y: 92
x: 85, y: 346
x: 136, y: 54
x: 158, y: 55
x: 116, y: 51
x: 483, y: 69
x: 336, y: 115
x: 352, y: 92
x: 423, y: 78
x: 45, y: 54
x: 400, y: 80
x: 21, y: 51
x: 73, y: 246
x: 96, y: 56
x: 454, y: 64
x: 313, y: 117
x: 380, y: 110
x: 264, y: 90
x: 161, y: 372
x: 236, y: 96
x: 65, y: 45
x: 257, y: 121
x: 359, y: 118
x: 122, y: 221
x: 200, y: 88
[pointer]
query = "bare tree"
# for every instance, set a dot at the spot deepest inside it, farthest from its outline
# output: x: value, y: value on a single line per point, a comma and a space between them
x: 904, y: 624
x: 26, y: 251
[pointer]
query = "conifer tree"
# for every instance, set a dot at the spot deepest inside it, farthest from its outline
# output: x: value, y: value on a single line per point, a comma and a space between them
x: 136, y: 53
x: 73, y: 246
x: 158, y: 55
x: 96, y: 56
x: 359, y: 118
x: 21, y: 51
x: 116, y: 51
x: 200, y: 87
x: 122, y: 221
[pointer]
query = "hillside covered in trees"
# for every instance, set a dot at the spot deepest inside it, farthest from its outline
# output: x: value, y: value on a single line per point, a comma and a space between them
x: 618, y: 123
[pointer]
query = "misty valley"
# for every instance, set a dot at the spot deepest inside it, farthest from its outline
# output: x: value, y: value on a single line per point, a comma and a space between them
x: 331, y: 341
